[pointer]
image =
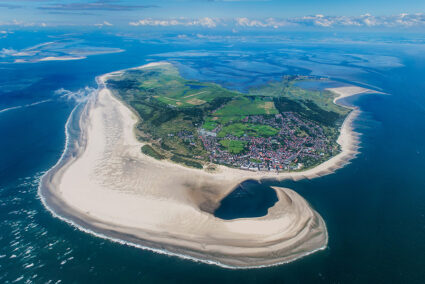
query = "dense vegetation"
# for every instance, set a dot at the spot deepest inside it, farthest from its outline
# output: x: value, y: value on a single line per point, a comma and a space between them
x: 187, y: 162
x: 308, y: 109
x: 148, y: 150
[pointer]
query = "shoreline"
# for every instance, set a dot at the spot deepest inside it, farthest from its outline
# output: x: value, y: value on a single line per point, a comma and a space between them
x: 194, y: 198
x: 348, y: 138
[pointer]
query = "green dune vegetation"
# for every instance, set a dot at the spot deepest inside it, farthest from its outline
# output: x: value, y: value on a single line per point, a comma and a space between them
x: 148, y: 150
x: 197, y: 123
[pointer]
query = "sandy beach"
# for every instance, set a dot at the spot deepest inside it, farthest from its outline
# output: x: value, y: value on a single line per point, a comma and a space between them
x: 108, y: 187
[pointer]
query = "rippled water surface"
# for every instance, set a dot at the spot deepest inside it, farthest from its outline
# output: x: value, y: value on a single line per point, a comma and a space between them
x: 374, y: 208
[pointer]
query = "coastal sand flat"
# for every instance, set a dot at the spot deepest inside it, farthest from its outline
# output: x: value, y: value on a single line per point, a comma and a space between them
x: 111, y: 188
x: 348, y: 91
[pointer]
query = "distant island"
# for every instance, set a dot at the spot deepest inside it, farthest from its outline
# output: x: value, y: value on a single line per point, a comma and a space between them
x: 151, y: 155
x: 276, y: 127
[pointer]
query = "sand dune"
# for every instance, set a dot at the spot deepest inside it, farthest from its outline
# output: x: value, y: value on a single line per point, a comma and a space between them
x: 109, y: 187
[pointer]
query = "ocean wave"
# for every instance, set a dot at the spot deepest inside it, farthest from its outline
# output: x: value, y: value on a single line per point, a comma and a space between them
x: 24, y: 106
x: 78, y: 96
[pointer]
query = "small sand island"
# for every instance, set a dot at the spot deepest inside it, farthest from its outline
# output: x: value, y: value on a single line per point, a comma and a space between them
x: 131, y: 178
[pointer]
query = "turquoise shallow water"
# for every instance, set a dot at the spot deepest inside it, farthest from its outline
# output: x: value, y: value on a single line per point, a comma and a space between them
x: 374, y: 208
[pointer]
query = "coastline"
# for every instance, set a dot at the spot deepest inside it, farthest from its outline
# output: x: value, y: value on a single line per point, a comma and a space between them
x: 192, y: 200
x: 348, y: 138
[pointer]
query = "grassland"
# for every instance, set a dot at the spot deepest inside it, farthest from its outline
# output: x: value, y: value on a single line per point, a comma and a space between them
x: 241, y: 107
x: 314, y: 105
x: 165, y: 103
x: 249, y: 129
x: 173, y: 110
x: 233, y: 146
x: 210, y: 124
x: 165, y: 84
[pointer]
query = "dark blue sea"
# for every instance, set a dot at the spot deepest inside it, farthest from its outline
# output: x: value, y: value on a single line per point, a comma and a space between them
x: 374, y: 207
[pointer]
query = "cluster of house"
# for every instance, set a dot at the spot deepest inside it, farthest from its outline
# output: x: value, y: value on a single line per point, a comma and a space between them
x: 298, y: 139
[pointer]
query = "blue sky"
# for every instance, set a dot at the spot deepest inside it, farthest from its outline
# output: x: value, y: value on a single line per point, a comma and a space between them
x: 214, y: 13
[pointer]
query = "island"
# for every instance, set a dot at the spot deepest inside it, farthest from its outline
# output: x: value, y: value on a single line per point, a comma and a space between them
x: 277, y: 127
x: 151, y: 155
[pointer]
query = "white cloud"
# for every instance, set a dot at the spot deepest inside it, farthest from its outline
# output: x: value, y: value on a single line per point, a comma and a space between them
x: 245, y: 22
x: 22, y: 24
x: 205, y: 22
x: 366, y: 20
x: 152, y: 22
x: 7, y: 52
x: 270, y: 22
x: 202, y: 22
x: 105, y: 23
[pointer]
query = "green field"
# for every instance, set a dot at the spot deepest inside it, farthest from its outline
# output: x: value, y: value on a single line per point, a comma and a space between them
x: 164, y: 83
x: 168, y: 105
x: 241, y: 107
x: 315, y: 105
x: 210, y: 125
x: 240, y: 129
x: 233, y: 146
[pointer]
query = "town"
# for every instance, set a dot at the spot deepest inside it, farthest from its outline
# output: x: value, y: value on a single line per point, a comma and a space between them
x: 298, y: 143
x: 277, y: 126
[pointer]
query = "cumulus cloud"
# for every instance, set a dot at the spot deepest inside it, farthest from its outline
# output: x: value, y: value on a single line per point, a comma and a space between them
x: 203, y: 22
x: 152, y: 22
x: 7, y: 52
x: 22, y: 24
x: 105, y: 23
x: 245, y: 22
x: 270, y: 22
x: 3, y: 34
x: 366, y: 20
